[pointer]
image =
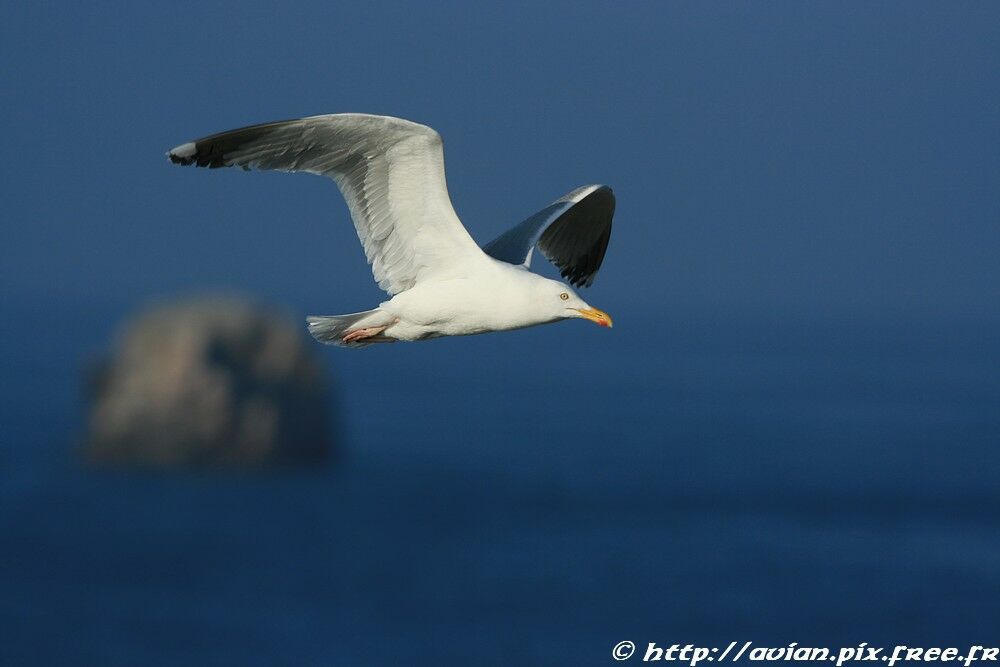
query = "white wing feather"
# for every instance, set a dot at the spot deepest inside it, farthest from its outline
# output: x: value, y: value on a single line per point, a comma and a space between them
x: 390, y: 171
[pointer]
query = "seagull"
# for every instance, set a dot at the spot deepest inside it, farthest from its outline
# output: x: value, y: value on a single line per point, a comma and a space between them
x: 391, y: 173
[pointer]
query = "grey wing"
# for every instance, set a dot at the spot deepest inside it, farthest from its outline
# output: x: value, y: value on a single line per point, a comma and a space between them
x: 390, y: 171
x: 572, y: 232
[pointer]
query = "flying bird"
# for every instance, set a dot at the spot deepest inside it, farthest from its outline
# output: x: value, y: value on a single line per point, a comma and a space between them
x: 391, y: 172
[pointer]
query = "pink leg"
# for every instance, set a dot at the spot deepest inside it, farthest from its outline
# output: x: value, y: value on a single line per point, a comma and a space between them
x: 361, y: 334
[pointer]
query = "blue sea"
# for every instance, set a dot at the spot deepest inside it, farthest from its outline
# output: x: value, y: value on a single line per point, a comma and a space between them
x: 503, y: 500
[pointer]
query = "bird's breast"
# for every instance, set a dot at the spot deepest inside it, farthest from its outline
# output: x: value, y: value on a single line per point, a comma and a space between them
x: 460, y: 307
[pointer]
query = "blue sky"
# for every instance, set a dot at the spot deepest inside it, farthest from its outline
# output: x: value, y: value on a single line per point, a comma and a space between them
x: 791, y: 159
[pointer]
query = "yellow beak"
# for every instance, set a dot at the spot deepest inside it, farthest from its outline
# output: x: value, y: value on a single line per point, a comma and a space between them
x: 595, y: 315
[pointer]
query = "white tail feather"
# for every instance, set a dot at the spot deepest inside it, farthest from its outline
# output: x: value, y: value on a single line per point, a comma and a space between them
x: 331, y: 329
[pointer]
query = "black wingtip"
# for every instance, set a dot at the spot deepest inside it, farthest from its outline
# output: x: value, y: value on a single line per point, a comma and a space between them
x: 212, y: 151
x: 184, y: 154
x: 177, y: 159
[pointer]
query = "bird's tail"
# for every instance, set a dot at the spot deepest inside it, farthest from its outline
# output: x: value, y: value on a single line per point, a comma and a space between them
x: 331, y: 329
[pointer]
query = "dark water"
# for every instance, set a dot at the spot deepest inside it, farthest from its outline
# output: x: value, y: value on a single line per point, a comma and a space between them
x: 506, y: 502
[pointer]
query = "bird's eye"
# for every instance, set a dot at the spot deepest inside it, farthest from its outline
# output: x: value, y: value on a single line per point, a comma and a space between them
x: 564, y: 296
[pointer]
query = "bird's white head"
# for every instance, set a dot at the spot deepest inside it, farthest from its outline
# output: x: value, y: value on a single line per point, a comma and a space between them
x: 566, y: 303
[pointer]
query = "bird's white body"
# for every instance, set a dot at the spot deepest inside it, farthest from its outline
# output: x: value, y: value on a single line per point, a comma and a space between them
x: 391, y: 173
x: 492, y: 296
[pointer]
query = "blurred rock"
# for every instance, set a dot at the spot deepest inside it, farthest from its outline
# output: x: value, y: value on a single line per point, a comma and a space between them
x: 209, y: 382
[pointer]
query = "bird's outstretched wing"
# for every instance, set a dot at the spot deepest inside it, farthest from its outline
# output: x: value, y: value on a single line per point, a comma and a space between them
x: 572, y: 232
x: 390, y: 171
